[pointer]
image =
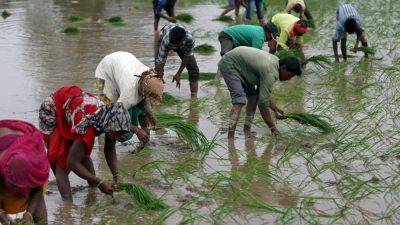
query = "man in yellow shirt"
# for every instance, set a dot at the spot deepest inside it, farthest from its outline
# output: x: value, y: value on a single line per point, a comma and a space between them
x: 291, y: 31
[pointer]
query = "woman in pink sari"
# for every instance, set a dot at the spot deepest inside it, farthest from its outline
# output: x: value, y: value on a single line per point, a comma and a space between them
x: 24, y: 170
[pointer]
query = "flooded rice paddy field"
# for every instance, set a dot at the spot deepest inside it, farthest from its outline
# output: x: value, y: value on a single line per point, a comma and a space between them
x: 350, y: 176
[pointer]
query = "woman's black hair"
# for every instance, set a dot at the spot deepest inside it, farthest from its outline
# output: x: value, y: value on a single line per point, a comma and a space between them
x: 292, y: 64
x: 176, y: 35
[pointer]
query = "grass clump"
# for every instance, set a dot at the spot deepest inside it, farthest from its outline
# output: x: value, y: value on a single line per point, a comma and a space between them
x: 5, y: 14
x: 185, y: 130
x: 367, y: 50
x: 142, y: 196
x: 204, y: 48
x: 71, y: 30
x: 202, y: 76
x: 224, y: 19
x: 73, y: 19
x: 320, y: 60
x: 311, y: 119
x: 185, y: 17
x: 116, y: 21
x: 168, y: 99
x: 311, y: 23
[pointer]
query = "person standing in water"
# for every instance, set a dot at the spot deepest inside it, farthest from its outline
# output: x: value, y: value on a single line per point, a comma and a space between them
x: 168, y: 6
x: 177, y: 38
x: 348, y: 21
x: 250, y: 74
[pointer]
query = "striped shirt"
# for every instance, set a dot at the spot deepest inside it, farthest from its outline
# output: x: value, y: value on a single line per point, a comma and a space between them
x: 164, y: 44
x: 345, y: 12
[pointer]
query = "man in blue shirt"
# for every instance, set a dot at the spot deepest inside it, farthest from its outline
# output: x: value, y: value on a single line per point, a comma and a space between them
x: 348, y: 21
x: 168, y: 6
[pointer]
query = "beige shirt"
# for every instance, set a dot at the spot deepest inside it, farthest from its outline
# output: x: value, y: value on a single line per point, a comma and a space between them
x: 292, y: 3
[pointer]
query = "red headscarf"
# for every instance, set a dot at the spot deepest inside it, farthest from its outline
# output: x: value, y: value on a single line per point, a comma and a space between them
x: 300, y: 26
x: 24, y: 164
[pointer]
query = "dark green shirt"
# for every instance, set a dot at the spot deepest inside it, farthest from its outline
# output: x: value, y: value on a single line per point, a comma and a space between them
x: 246, y: 35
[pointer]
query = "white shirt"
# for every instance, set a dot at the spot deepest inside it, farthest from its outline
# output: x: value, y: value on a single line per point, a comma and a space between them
x: 118, y: 70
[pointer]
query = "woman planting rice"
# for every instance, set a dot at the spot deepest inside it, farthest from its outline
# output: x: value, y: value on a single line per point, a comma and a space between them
x: 70, y: 120
x: 121, y: 77
x: 24, y: 171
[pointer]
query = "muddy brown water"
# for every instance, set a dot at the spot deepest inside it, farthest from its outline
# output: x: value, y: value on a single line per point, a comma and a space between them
x: 36, y: 58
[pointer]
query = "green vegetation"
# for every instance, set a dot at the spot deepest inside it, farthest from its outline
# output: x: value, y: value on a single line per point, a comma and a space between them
x: 224, y: 19
x: 202, y: 76
x: 71, y: 30
x: 184, y: 17
x: 169, y: 99
x: 367, y: 50
x: 311, y: 23
x: 142, y: 196
x: 287, y: 52
x: 116, y: 21
x: 311, y: 119
x: 320, y: 60
x: 5, y: 14
x: 204, y: 49
x: 73, y: 19
x: 185, y: 130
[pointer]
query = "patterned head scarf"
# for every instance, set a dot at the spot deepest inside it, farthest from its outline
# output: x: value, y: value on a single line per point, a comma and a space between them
x: 110, y: 117
x: 152, y: 86
x: 299, y: 28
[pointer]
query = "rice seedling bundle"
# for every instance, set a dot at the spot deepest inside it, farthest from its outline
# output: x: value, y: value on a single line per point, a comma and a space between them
x: 142, y: 196
x: 311, y: 119
x: 202, y: 76
x: 73, y: 19
x: 367, y: 50
x: 311, y: 23
x: 71, y: 30
x: 5, y: 14
x: 319, y: 60
x: 116, y: 21
x: 184, y: 17
x: 204, y: 48
x: 224, y: 19
x: 169, y: 99
x: 185, y: 130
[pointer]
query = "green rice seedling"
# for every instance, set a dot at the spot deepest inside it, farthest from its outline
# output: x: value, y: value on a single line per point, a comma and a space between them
x: 71, y: 30
x: 142, y: 196
x: 116, y: 21
x: 73, y: 19
x: 224, y: 19
x: 5, y: 14
x: 184, y: 17
x: 367, y: 50
x: 311, y: 119
x: 311, y: 23
x: 204, y: 48
x: 185, y: 130
x: 202, y: 76
x: 320, y: 60
x: 169, y: 99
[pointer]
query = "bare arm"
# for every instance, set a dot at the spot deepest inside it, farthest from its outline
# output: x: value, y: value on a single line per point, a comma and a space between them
x: 177, y: 76
x: 266, y: 115
x: 159, y: 68
x: 279, y: 114
x: 111, y: 155
x: 343, y: 47
x: 335, y: 50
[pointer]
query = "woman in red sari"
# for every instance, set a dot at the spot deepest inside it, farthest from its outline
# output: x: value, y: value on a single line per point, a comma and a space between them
x: 24, y: 170
x: 70, y: 120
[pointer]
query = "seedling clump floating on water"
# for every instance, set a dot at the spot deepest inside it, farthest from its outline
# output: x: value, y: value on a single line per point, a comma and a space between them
x: 311, y: 119
x: 116, y: 21
x: 71, y: 30
x: 185, y: 17
x: 5, y: 14
x: 204, y: 48
x: 320, y: 60
x: 142, y: 196
x: 73, y: 19
x: 202, y: 76
x: 224, y: 19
